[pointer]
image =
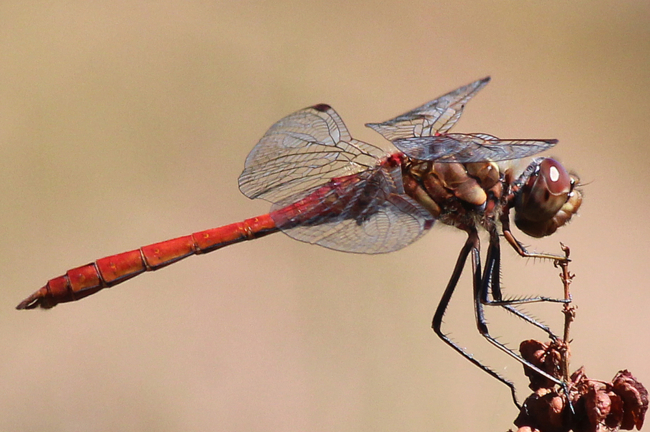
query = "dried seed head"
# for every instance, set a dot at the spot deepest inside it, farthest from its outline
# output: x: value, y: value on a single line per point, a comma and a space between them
x: 635, y: 399
x: 598, y: 406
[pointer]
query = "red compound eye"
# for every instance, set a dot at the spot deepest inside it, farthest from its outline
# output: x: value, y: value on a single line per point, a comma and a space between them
x: 542, y: 196
x: 557, y: 179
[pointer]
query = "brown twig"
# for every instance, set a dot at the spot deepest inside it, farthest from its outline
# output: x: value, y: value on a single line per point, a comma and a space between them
x: 569, y: 309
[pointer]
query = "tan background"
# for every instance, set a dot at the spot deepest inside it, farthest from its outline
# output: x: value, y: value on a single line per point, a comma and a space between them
x: 128, y: 123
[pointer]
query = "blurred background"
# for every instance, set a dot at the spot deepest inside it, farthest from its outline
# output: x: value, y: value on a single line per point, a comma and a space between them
x: 127, y: 123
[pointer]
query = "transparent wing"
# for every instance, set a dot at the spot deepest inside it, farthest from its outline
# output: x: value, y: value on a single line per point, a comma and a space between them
x: 368, y: 214
x: 435, y: 117
x: 303, y: 150
x: 465, y: 148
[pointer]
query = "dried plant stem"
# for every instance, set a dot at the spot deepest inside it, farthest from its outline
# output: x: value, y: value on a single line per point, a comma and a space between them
x: 569, y: 310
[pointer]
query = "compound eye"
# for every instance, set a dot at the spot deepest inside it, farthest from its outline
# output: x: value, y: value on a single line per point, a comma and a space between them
x: 545, y: 192
x: 557, y: 179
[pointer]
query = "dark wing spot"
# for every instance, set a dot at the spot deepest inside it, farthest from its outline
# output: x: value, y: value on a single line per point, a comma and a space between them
x: 322, y: 107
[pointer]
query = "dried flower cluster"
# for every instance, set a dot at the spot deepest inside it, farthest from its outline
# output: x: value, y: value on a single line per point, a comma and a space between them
x: 595, y: 405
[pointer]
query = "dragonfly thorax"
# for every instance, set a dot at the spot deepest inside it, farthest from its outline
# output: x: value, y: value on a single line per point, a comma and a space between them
x: 459, y: 194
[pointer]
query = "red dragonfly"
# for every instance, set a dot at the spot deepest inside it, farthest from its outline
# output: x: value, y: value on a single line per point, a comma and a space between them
x: 334, y: 191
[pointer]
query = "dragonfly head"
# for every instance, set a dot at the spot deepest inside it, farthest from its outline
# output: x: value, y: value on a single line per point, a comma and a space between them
x: 546, y: 199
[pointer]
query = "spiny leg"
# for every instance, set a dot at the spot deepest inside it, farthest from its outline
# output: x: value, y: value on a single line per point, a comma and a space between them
x: 519, y: 247
x: 508, y: 304
x: 546, y: 329
x: 482, y: 285
x: 471, y: 245
x: 494, y: 287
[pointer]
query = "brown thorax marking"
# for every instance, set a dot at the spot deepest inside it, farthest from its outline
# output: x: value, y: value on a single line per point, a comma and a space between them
x: 456, y: 193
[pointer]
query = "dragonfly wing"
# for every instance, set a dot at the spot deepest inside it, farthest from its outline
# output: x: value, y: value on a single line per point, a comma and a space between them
x: 303, y: 150
x: 435, y: 117
x: 372, y: 215
x: 464, y: 148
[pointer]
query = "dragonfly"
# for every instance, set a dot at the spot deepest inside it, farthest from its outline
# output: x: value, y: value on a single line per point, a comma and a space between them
x: 329, y: 189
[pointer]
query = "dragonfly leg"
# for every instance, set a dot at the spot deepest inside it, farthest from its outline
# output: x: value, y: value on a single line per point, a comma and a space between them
x: 472, y: 246
x: 520, y: 248
x: 494, y: 287
x: 482, y: 286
